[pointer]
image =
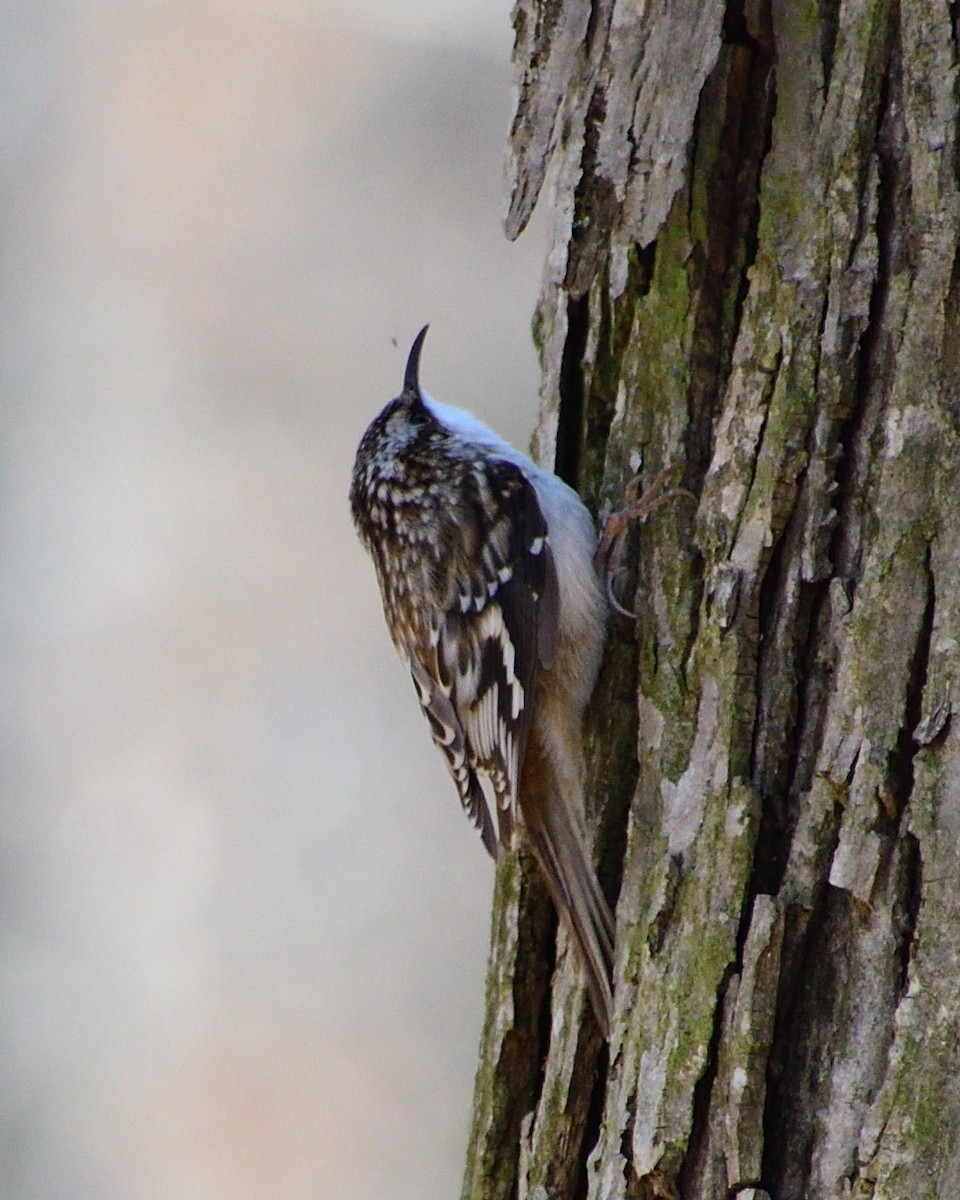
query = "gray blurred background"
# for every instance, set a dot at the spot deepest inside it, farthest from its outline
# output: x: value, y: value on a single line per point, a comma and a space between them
x: 243, y: 922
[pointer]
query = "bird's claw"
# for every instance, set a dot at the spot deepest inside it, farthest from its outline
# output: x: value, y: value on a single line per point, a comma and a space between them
x: 638, y: 507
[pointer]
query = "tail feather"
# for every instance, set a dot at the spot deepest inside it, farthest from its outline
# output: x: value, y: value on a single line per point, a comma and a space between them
x: 560, y: 850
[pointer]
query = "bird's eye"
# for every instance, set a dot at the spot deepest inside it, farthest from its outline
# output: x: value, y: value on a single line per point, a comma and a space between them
x: 403, y: 419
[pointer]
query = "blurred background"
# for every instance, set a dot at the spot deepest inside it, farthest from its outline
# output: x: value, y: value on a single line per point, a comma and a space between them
x: 243, y: 922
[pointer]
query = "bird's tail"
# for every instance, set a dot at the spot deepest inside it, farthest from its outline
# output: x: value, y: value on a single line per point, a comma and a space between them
x: 554, y: 835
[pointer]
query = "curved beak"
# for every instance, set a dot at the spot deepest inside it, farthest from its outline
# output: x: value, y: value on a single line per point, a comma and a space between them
x: 411, y: 376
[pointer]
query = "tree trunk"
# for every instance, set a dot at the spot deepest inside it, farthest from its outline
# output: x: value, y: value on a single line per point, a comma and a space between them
x: 754, y: 274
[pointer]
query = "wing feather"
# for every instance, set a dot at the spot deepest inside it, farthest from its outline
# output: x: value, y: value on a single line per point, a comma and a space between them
x: 448, y: 735
x: 476, y: 671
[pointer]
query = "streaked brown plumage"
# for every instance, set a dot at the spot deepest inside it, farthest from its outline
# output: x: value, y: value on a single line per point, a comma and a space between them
x: 485, y: 566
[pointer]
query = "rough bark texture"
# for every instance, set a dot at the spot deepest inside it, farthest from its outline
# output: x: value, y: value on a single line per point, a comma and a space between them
x: 754, y: 273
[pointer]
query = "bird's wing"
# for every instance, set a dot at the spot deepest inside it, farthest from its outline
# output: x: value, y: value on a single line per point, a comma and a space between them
x: 476, y: 678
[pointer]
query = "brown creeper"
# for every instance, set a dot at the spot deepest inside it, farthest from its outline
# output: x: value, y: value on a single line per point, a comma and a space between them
x: 485, y: 565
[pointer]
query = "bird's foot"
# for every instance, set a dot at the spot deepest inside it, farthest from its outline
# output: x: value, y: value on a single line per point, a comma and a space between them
x: 638, y: 507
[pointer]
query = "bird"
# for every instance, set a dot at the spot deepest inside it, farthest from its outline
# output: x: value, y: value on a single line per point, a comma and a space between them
x: 485, y: 563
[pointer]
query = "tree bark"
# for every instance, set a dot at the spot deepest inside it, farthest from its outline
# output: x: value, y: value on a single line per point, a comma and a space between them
x: 753, y: 273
